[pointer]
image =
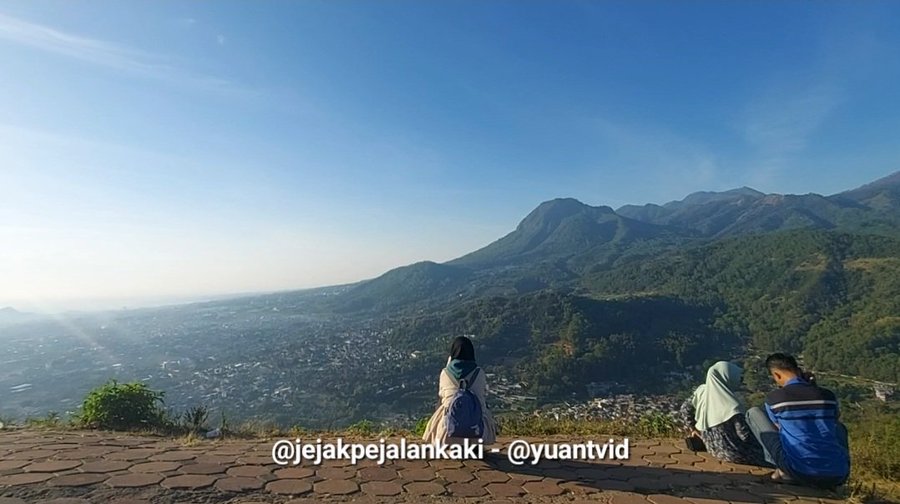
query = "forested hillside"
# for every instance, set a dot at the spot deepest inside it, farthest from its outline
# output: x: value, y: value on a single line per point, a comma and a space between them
x: 833, y: 297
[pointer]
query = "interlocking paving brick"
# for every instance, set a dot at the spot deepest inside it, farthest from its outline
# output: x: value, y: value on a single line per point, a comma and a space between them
x: 736, y: 496
x: 249, y: 471
x: 466, y: 490
x: 675, y: 480
x: 188, y: 481
x: 78, y: 479
x: 203, y: 469
x: 133, y: 454
x: 665, y: 499
x: 290, y: 486
x: 52, y: 466
x: 666, y: 449
x: 704, y: 500
x: 6, y: 465
x: 416, y: 474
x: 545, y: 488
x: 381, y: 488
x: 622, y: 498
x: 659, y: 460
x: 24, y: 479
x: 377, y: 474
x: 445, y: 464
x: 215, y: 459
x: 491, y: 476
x: 65, y: 500
x: 123, y: 461
x: 687, y: 458
x: 337, y: 473
x: 294, y: 472
x: 616, y: 485
x: 336, y: 487
x: 60, y: 446
x: 174, y: 456
x: 647, y: 483
x: 154, y: 467
x: 505, y: 490
x: 104, y: 466
x: 32, y: 455
x: 256, y: 459
x: 134, y: 480
x: 421, y: 488
x: 523, y: 477
x: 456, y: 475
x: 579, y: 487
x: 239, y: 484
x: 405, y: 465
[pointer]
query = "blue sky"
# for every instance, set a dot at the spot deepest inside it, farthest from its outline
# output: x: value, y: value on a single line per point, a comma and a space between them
x: 172, y: 149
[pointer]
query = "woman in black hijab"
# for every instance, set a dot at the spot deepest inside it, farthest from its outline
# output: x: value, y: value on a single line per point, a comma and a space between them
x: 462, y: 358
x: 460, y: 365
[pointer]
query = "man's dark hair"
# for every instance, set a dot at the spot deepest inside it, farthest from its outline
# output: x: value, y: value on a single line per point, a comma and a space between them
x: 782, y: 361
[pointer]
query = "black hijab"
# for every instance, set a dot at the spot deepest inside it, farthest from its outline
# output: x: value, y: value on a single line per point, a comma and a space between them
x: 462, y: 349
x: 462, y: 357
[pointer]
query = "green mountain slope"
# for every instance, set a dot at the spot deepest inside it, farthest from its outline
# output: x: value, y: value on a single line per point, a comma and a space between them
x: 831, y: 296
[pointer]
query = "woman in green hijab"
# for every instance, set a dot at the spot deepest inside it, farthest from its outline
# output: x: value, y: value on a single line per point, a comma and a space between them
x: 716, y: 414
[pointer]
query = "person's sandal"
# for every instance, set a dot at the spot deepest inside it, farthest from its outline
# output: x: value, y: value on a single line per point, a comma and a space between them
x: 780, y: 476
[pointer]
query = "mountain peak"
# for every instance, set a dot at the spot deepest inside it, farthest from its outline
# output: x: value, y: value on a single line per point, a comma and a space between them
x: 703, y: 197
x: 554, y: 211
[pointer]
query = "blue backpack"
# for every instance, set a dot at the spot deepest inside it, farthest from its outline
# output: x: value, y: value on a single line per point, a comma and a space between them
x: 464, y: 417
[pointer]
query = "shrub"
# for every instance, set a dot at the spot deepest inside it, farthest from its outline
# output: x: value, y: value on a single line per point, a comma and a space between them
x: 362, y: 428
x: 122, y: 406
x: 657, y: 425
x: 194, y: 419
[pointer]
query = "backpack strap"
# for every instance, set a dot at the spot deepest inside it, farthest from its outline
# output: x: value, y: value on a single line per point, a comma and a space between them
x: 464, y: 383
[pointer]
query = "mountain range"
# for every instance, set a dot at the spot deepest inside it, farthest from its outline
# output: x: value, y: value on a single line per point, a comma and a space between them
x: 812, y: 274
x: 563, y: 240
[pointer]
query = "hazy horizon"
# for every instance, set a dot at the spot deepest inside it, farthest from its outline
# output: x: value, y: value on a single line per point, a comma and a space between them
x: 182, y: 151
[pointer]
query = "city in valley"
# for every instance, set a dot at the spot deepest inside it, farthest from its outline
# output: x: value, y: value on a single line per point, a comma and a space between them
x: 259, y: 359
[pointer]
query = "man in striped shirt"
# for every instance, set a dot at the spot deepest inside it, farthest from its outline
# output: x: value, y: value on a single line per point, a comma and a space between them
x: 799, y: 429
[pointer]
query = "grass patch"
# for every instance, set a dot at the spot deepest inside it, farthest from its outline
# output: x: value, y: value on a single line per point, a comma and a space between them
x: 875, y: 452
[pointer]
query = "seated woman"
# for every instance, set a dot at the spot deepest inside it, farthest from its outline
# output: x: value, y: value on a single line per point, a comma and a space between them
x: 461, y: 371
x: 715, y: 414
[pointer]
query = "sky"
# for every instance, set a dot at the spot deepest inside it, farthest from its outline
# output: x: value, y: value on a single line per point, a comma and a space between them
x: 158, y: 150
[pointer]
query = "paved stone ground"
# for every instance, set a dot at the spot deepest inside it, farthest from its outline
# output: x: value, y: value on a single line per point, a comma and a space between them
x: 93, y: 467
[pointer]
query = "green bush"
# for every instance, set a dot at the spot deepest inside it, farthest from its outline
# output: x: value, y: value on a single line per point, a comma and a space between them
x: 122, y: 406
x: 362, y: 428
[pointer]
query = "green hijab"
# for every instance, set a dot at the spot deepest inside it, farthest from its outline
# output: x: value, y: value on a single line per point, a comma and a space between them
x: 716, y: 401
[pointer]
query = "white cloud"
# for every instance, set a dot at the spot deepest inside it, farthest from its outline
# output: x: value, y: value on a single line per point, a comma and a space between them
x: 220, y: 39
x: 111, y: 55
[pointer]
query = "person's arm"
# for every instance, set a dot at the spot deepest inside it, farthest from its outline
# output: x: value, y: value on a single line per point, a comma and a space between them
x: 446, y: 387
